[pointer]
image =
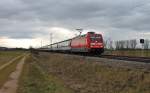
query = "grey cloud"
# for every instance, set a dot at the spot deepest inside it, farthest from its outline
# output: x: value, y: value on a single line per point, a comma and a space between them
x: 123, y: 15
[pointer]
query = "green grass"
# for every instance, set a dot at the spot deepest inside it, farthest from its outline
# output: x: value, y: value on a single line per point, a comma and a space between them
x: 5, y: 72
x: 35, y: 80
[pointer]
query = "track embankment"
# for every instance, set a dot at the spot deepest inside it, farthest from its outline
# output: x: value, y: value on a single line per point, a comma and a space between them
x: 128, y: 58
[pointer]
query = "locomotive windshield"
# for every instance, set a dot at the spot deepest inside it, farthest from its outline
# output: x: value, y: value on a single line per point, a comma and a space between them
x: 95, y: 38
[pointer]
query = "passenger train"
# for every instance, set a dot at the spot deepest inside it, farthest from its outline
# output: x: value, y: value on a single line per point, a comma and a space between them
x: 90, y: 43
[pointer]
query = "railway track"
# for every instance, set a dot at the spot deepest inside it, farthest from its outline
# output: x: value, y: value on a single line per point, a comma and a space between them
x: 125, y: 58
x: 128, y: 58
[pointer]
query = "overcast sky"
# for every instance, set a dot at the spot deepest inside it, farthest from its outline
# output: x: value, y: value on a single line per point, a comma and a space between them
x: 28, y: 22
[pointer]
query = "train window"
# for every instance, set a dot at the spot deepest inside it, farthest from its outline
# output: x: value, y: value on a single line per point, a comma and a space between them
x: 54, y: 46
x: 91, y: 32
x: 83, y: 35
x: 64, y: 44
x: 96, y: 38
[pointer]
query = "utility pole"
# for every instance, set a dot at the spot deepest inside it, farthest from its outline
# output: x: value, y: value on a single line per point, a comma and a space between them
x: 80, y: 30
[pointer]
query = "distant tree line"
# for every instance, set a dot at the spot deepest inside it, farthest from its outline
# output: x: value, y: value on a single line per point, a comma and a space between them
x: 125, y: 44
x: 10, y: 49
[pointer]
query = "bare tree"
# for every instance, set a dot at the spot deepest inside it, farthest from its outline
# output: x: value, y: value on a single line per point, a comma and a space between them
x: 146, y: 44
x: 105, y: 43
x: 117, y: 45
x: 133, y: 43
x: 111, y: 45
x: 122, y: 44
x: 127, y: 44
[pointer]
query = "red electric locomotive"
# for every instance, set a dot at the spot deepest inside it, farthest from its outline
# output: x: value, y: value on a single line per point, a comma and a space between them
x: 88, y: 43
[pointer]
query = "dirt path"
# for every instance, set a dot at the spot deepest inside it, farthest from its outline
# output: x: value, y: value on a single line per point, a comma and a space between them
x: 11, y: 85
x: 8, y: 63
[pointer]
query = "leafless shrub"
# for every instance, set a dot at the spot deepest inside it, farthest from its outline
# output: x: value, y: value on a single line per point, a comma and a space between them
x: 126, y: 44
x: 105, y: 43
x: 146, y: 44
x: 133, y: 43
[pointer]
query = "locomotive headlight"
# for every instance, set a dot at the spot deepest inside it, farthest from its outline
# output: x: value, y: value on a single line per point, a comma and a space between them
x: 96, y: 44
x: 92, y: 44
x: 99, y: 44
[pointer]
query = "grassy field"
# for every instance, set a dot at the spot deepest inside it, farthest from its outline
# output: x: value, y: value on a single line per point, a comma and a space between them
x: 57, y: 73
x: 5, y: 72
x: 137, y: 53
x: 6, y: 56
x: 35, y: 80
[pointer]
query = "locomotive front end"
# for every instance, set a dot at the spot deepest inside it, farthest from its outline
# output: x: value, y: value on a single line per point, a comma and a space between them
x: 96, y: 44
